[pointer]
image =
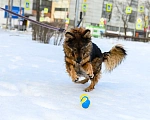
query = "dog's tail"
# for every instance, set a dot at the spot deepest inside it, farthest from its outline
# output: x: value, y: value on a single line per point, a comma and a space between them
x: 114, y: 57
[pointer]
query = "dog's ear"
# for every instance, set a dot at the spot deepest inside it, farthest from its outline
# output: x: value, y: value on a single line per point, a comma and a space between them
x: 69, y: 35
x: 69, y: 39
x: 87, y: 33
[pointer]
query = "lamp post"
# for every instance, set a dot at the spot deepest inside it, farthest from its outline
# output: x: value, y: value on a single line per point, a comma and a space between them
x: 19, y: 20
x: 10, y: 15
x: 7, y: 14
x: 76, y: 13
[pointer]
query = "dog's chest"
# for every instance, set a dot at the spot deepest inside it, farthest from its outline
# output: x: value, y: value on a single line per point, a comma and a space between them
x: 80, y: 71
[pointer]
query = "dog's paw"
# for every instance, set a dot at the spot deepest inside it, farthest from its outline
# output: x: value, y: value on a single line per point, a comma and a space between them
x: 90, y: 73
x: 88, y: 89
x: 76, y: 79
x: 91, y: 76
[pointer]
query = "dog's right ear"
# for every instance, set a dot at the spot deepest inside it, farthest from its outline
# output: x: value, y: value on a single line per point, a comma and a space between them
x: 87, y: 33
x: 69, y: 35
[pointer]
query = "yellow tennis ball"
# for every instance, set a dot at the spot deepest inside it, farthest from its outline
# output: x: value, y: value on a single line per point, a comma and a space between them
x: 83, y: 96
x: 85, y: 102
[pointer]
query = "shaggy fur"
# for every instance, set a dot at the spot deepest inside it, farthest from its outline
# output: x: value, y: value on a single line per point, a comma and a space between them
x: 84, y: 58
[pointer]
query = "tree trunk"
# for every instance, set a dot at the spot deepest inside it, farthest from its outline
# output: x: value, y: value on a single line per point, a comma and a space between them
x: 35, y: 27
x: 33, y: 31
x: 37, y: 10
x: 125, y: 30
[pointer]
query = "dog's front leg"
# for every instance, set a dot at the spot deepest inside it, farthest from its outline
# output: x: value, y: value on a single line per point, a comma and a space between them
x: 72, y: 72
x: 88, y: 69
x: 87, y: 66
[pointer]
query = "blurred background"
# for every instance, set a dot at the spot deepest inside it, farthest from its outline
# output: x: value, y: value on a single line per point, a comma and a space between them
x: 116, y: 17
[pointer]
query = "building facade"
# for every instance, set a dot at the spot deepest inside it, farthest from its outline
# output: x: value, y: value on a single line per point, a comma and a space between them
x: 56, y: 10
x: 16, y: 3
x: 91, y: 16
x: 96, y: 9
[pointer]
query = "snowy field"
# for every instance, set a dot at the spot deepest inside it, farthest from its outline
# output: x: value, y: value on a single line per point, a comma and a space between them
x: 35, y: 86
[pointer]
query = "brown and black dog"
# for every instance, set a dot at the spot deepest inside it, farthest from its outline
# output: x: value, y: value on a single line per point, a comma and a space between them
x: 84, y: 58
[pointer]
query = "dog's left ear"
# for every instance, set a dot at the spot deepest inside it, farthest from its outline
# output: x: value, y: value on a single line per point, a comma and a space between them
x: 87, y: 33
x: 69, y: 35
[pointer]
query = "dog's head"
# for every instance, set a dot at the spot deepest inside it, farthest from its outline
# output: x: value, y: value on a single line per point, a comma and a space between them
x: 78, y: 40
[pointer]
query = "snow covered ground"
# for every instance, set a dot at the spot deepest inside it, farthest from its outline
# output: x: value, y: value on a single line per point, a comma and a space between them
x: 35, y: 86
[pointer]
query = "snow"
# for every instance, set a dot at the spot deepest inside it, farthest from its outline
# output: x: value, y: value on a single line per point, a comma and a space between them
x: 35, y: 86
x: 120, y: 33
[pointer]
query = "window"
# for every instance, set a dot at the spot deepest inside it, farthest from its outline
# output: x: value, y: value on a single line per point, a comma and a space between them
x: 112, y: 28
x: 109, y: 0
x: 121, y: 29
x: 61, y: 9
x: 59, y: 20
x: 134, y: 3
x: 128, y: 30
x: 34, y: 6
x: 44, y: 4
x: 132, y: 17
x: 94, y: 24
x: 104, y: 13
x: 34, y: 1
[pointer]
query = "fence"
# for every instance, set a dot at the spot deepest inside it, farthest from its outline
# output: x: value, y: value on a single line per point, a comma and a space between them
x: 44, y: 35
x: 132, y: 38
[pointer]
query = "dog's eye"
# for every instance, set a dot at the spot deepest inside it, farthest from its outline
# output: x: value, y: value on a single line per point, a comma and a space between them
x: 74, y: 49
x: 82, y: 48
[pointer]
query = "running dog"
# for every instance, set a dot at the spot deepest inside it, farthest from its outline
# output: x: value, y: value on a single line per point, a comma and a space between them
x: 84, y: 58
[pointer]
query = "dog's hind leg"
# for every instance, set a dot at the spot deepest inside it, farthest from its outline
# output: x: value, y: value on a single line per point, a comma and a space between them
x: 96, y: 65
x: 94, y: 81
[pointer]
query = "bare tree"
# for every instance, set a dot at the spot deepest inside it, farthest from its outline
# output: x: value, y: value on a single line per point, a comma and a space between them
x: 44, y: 35
x: 121, y: 9
x: 35, y: 28
x: 37, y: 10
x: 145, y: 14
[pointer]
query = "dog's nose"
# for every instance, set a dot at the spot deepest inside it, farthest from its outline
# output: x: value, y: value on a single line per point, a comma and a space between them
x: 78, y: 60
